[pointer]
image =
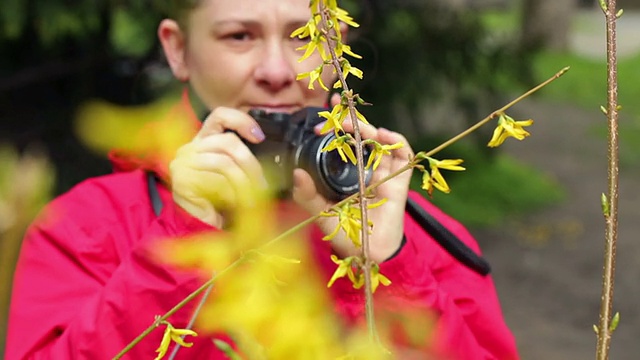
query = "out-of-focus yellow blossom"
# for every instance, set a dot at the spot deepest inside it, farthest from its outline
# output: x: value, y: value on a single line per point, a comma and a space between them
x: 253, y: 223
x: 171, y: 333
x: 341, y: 144
x: 434, y: 179
x: 508, y: 127
x: 227, y: 349
x: 274, y: 309
x: 156, y: 130
x: 379, y: 151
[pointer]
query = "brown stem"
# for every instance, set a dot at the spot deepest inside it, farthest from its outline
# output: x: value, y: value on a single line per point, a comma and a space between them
x: 611, y: 217
x: 367, y: 263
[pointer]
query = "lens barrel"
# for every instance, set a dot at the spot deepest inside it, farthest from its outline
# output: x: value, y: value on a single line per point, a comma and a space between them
x: 334, y: 178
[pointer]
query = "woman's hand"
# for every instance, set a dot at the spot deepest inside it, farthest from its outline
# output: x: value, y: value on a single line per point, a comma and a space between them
x: 388, y: 219
x: 216, y: 170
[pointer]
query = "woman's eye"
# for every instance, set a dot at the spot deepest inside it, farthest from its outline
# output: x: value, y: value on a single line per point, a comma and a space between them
x: 239, y: 36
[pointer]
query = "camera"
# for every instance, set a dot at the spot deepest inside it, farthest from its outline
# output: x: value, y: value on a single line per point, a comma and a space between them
x: 290, y: 142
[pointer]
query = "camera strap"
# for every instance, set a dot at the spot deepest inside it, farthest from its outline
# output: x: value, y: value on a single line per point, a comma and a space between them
x: 154, y: 195
x: 451, y: 243
x: 445, y: 238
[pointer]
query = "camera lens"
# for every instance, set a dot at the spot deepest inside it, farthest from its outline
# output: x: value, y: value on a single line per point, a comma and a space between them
x: 334, y: 178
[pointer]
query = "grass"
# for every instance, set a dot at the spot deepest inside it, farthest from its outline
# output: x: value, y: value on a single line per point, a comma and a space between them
x: 586, y: 86
x: 586, y: 83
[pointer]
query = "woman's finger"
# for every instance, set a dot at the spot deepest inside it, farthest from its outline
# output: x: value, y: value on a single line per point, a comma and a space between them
x: 223, y: 119
x: 230, y: 145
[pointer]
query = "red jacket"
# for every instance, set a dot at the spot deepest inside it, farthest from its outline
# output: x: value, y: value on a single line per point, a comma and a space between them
x: 85, y: 286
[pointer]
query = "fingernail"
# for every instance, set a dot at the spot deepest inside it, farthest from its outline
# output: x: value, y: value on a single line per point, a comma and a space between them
x: 257, y: 133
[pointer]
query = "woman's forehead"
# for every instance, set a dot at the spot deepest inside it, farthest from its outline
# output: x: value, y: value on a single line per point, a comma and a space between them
x: 254, y: 10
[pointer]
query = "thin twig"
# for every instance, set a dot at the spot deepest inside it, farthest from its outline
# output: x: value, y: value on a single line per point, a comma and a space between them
x: 605, y: 328
x: 367, y: 263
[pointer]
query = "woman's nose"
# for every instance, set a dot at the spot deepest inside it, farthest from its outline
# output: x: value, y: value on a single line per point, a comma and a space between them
x: 275, y: 69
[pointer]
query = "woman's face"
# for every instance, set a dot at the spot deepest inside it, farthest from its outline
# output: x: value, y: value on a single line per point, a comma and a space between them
x: 239, y: 53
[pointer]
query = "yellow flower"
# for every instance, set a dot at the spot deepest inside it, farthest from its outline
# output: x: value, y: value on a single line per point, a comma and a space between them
x: 345, y: 268
x: 350, y: 220
x: 334, y: 118
x: 376, y: 279
x: 345, y: 49
x: 434, y: 178
x: 507, y: 127
x: 314, y: 75
x: 349, y: 267
x: 315, y: 42
x: 171, y: 333
x: 341, y: 144
x: 346, y: 70
x: 378, y: 151
x: 309, y: 29
x: 343, y: 16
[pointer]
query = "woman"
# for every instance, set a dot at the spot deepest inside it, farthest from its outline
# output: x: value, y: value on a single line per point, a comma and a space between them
x: 85, y: 285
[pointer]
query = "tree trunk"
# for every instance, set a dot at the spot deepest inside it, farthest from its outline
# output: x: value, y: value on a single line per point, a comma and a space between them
x: 546, y: 23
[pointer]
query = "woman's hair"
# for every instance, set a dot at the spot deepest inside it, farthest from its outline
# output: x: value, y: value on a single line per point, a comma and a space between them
x: 179, y: 9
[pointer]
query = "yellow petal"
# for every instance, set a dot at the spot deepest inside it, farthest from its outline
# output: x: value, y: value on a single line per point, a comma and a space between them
x: 164, y: 344
x: 439, y: 181
x: 333, y: 234
x: 349, y: 152
x: 451, y: 165
x: 341, y: 271
x: 376, y: 204
x: 497, y: 139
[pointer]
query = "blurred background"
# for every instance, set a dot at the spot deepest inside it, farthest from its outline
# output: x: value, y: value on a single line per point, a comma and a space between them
x: 432, y: 68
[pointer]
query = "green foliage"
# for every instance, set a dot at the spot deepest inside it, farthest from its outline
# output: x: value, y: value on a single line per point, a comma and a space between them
x: 130, y: 24
x: 492, y: 189
x: 13, y: 16
x: 132, y: 34
x: 426, y: 52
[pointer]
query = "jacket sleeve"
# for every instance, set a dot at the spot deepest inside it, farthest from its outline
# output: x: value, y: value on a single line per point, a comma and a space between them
x: 84, y: 292
x: 468, y: 319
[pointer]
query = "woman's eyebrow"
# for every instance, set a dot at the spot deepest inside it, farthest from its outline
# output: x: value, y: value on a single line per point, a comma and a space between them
x: 245, y: 22
x: 255, y: 23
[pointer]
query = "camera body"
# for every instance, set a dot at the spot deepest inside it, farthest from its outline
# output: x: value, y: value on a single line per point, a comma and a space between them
x: 290, y: 142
